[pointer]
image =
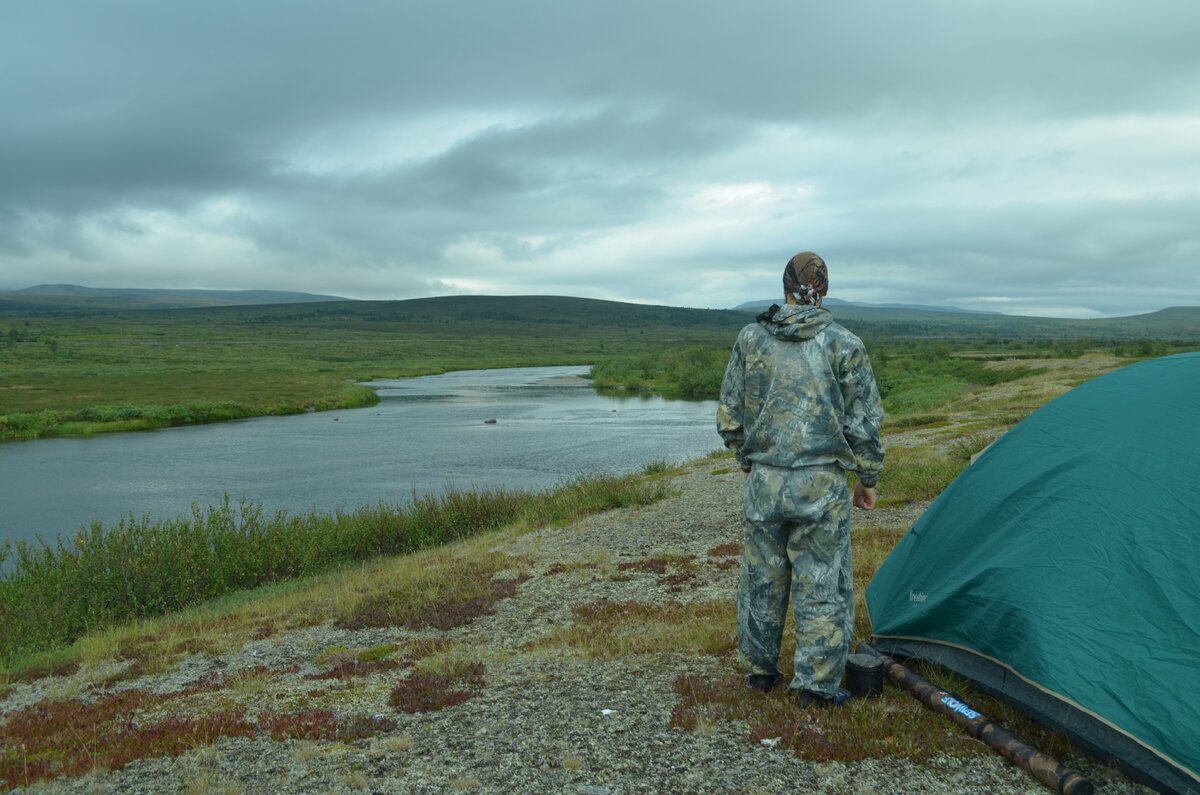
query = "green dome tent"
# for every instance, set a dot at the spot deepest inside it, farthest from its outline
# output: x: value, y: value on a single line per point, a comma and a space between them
x: 1061, y: 571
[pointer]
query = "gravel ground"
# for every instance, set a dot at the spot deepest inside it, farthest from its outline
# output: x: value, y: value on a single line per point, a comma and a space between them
x: 545, y: 721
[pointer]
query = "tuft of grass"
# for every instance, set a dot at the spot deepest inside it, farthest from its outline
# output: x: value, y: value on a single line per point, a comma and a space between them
x: 964, y: 447
x: 922, y: 396
x: 346, y: 663
x: 914, y: 474
x: 401, y: 744
x: 249, y: 683
x: 659, y: 467
x: 463, y: 783
x: 355, y: 779
x: 436, y: 600
x: 376, y: 653
x: 47, y: 665
x: 899, y: 422
x: 334, y: 655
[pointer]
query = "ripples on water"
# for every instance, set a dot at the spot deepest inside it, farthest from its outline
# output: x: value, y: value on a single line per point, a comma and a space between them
x: 427, y: 434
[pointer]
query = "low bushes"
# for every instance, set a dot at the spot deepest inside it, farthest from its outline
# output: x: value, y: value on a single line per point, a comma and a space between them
x: 53, y: 594
x: 91, y: 420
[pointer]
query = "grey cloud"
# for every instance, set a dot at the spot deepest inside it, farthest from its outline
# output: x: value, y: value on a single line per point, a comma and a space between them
x: 930, y: 136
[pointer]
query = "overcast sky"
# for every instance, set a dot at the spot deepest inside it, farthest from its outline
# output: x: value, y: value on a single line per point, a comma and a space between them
x: 1025, y: 156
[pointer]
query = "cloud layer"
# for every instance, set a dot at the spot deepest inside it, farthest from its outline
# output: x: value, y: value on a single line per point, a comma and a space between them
x: 1029, y: 157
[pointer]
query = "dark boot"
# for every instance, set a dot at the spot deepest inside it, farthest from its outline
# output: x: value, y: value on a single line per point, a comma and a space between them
x: 762, y: 682
x: 807, y: 698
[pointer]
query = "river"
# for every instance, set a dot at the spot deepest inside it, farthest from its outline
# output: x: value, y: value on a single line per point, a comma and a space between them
x: 426, y: 435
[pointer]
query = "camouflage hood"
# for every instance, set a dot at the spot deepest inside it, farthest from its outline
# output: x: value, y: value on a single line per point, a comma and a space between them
x: 795, y: 321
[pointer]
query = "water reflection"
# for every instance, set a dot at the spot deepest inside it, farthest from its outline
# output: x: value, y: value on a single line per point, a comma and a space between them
x: 426, y: 435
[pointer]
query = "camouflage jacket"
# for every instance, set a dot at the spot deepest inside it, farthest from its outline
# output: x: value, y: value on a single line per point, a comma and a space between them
x: 799, y: 391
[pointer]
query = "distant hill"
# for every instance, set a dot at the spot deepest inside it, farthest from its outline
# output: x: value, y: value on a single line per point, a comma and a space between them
x: 759, y: 306
x: 1177, y: 324
x: 69, y: 297
x: 486, y: 311
x: 524, y: 312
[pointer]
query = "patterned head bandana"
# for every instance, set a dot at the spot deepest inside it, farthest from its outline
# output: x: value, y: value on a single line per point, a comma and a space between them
x: 806, y: 278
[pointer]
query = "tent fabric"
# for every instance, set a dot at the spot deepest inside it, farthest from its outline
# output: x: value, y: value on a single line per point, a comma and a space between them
x: 1062, y: 570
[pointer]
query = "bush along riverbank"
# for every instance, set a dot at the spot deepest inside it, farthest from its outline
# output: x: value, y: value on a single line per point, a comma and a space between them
x: 92, y: 420
x: 52, y: 595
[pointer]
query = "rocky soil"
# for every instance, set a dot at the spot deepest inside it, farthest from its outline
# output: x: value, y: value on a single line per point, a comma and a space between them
x: 542, y: 720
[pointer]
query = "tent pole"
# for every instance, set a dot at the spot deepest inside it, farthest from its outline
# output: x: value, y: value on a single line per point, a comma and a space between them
x: 1042, y: 767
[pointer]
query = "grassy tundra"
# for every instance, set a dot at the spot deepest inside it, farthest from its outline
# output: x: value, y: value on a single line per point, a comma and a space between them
x: 79, y: 374
x: 370, y: 570
x: 124, y: 602
x: 74, y: 371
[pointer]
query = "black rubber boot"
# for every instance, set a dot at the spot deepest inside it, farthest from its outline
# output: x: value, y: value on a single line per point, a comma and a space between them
x: 762, y: 682
x: 807, y: 698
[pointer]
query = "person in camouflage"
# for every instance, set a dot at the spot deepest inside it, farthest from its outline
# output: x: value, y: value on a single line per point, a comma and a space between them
x: 800, y: 407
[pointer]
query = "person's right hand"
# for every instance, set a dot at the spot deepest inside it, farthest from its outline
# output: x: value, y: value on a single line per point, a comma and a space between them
x: 864, y: 497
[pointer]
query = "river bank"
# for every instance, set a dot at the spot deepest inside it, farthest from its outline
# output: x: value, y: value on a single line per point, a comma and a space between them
x: 424, y: 436
x: 595, y: 659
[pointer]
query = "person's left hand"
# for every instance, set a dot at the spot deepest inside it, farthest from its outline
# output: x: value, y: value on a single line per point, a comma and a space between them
x: 864, y: 497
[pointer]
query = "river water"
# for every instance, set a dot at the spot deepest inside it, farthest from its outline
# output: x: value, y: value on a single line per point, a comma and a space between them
x: 427, y: 434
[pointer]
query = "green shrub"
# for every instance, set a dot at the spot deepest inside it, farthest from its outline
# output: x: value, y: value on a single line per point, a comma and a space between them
x: 53, y: 594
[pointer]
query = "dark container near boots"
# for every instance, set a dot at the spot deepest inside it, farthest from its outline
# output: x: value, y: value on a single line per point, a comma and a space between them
x: 864, y: 675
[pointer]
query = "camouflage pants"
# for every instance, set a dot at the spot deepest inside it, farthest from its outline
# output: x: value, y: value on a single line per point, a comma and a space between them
x: 796, y: 541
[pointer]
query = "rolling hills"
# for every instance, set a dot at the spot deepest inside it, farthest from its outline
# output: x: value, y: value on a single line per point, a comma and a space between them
x: 1175, y: 324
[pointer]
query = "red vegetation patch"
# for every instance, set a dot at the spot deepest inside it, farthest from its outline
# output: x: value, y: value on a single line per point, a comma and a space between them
x: 322, y: 725
x: 263, y: 632
x: 36, y: 672
x: 674, y: 571
x: 648, y: 565
x: 725, y: 551
x: 562, y: 568
x: 69, y: 738
x: 352, y: 668
x: 892, y: 726
x: 431, y: 692
x: 675, y: 582
x: 607, y: 612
